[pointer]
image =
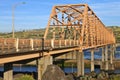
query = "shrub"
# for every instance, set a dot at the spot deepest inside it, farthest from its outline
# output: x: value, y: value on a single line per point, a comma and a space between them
x: 116, y: 78
x: 25, y: 77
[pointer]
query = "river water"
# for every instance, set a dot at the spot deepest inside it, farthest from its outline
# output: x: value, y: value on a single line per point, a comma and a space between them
x: 70, y: 69
x: 66, y: 70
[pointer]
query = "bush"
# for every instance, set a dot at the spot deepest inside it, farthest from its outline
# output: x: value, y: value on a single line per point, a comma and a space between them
x: 25, y: 77
x: 116, y: 77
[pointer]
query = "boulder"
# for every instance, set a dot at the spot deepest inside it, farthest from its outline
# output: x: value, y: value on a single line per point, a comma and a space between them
x: 53, y: 72
x: 102, y: 76
x: 70, y: 77
x: 17, y: 76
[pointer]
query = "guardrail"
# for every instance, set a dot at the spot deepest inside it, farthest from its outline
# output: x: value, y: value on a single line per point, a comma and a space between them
x: 13, y: 45
x: 10, y: 45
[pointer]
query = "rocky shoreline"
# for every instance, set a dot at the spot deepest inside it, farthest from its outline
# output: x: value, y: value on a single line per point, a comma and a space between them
x: 54, y: 72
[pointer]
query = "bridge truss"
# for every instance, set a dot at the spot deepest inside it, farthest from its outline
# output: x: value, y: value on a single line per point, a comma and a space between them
x: 77, y: 22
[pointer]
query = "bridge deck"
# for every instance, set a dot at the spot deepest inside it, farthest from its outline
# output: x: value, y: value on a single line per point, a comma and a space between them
x: 31, y: 48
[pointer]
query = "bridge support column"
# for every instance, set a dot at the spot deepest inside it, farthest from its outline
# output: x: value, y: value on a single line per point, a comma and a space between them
x: 42, y: 64
x: 92, y: 60
x: 103, y: 59
x: 80, y: 63
x: 106, y: 58
x: 8, y: 71
x: 112, y: 56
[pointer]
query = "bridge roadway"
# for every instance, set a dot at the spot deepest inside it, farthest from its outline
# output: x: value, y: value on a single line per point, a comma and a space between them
x: 20, y: 49
x: 71, y: 28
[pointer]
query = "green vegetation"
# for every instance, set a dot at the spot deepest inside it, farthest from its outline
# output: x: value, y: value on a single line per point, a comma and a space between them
x: 36, y: 33
x: 116, y: 77
x: 39, y: 33
x: 67, y: 64
x: 116, y: 31
x: 72, y: 64
x: 25, y: 77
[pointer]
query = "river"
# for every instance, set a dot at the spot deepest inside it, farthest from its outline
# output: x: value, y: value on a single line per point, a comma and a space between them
x: 68, y: 70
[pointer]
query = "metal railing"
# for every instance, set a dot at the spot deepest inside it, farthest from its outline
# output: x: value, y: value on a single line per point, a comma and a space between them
x: 10, y: 45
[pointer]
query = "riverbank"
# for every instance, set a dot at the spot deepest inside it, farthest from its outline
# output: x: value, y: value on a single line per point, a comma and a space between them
x: 71, y: 75
x: 17, y: 75
x: 53, y: 72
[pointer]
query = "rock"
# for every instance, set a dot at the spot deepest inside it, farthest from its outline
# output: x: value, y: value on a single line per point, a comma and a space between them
x: 70, y: 77
x: 102, y: 76
x: 53, y: 72
x: 93, y: 74
x: 17, y: 76
x: 92, y: 79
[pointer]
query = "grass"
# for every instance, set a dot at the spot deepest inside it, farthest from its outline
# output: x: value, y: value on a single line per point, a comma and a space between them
x: 116, y: 31
x: 39, y: 33
x: 25, y: 77
x: 116, y: 77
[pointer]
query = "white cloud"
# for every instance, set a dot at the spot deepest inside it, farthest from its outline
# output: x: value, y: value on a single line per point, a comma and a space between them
x: 106, y: 9
x: 109, y: 12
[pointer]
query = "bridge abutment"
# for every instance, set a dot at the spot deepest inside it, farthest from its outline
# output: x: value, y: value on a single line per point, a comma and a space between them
x: 42, y: 64
x: 8, y: 71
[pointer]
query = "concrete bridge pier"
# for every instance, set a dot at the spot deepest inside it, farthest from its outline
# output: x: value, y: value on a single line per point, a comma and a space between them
x: 42, y: 64
x: 80, y: 63
x: 103, y: 59
x: 112, y: 50
x: 92, y: 60
x: 8, y: 71
x: 106, y: 58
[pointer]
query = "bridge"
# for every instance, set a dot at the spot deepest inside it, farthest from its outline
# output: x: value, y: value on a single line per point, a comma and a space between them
x: 71, y: 28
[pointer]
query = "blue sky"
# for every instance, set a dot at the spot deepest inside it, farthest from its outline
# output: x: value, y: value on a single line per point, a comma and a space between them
x: 35, y: 13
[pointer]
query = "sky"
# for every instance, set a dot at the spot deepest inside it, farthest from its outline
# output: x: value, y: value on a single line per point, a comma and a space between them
x: 35, y: 13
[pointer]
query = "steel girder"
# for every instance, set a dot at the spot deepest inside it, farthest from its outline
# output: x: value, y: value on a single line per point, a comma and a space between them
x: 77, y: 22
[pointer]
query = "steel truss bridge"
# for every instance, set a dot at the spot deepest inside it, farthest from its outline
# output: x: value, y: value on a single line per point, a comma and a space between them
x: 70, y: 28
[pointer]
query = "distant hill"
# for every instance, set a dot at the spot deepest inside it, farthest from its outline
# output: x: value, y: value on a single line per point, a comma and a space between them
x: 116, y: 31
x: 36, y: 33
x: 39, y: 33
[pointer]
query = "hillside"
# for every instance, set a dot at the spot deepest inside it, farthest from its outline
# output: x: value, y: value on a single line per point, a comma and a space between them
x: 38, y: 33
x: 116, y: 31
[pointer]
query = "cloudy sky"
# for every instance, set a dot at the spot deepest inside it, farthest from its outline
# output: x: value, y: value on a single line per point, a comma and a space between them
x: 35, y: 13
